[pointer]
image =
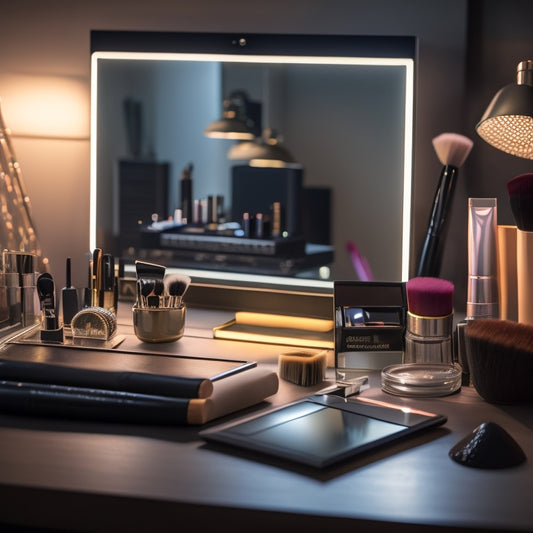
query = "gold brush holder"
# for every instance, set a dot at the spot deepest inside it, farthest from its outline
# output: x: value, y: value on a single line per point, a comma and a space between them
x: 159, y: 324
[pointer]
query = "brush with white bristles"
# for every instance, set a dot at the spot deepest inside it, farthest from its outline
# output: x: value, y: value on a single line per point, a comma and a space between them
x: 452, y: 150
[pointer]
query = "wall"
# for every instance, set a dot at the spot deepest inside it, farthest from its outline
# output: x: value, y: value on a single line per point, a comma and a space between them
x: 53, y: 38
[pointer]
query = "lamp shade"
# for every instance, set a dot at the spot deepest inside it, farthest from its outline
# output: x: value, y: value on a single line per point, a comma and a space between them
x: 241, y: 119
x: 228, y: 127
x: 507, y: 124
x: 266, y: 151
x: 272, y: 155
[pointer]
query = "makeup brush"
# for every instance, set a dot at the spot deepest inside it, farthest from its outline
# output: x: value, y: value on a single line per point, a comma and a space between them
x: 500, y: 357
x: 155, y: 298
x: 452, y: 150
x: 304, y: 368
x: 145, y: 287
x: 520, y: 190
x: 149, y: 270
x: 428, y: 337
x: 176, y: 286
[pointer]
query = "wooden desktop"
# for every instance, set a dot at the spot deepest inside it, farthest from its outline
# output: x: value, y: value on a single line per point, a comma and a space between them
x: 89, y: 476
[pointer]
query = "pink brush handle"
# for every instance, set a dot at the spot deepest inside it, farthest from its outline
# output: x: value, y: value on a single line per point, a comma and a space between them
x: 360, y: 264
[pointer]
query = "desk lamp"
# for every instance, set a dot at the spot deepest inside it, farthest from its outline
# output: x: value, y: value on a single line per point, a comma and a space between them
x: 508, y: 125
x: 508, y: 121
x: 241, y: 119
x: 265, y: 151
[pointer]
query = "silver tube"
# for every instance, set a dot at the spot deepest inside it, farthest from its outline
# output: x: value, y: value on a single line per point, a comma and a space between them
x: 482, y: 294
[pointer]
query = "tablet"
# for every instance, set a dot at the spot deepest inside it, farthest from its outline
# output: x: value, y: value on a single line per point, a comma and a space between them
x: 321, y: 430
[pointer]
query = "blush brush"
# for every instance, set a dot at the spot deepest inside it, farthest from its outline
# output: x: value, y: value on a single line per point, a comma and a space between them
x: 452, y: 150
x: 520, y: 190
x: 429, y: 320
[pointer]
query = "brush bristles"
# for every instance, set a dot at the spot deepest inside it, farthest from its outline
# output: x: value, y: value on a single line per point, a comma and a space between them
x: 452, y: 149
x: 500, y: 357
x: 520, y: 190
x: 303, y: 368
x: 177, y: 284
x: 428, y: 296
x: 504, y: 334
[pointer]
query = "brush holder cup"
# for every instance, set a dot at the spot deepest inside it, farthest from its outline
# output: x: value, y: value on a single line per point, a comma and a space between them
x: 160, y: 324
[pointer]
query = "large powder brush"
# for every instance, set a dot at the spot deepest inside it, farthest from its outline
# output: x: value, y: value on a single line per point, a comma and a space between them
x: 520, y: 190
x: 500, y: 357
x: 452, y: 150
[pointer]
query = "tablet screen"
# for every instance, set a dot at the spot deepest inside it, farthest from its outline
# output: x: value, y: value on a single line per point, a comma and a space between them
x: 320, y: 431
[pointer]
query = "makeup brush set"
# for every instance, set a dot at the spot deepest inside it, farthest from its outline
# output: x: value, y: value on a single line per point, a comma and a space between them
x: 159, y: 311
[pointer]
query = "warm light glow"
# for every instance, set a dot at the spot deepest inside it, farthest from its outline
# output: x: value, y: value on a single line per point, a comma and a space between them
x: 53, y: 107
x: 235, y: 135
x: 272, y: 163
x: 510, y: 133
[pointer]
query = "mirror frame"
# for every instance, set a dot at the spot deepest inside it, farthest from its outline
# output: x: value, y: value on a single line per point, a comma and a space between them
x: 225, y: 290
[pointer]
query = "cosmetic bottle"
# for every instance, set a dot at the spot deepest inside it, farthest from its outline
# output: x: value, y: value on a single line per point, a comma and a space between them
x: 186, y: 193
x: 429, y: 339
x: 69, y: 297
x: 20, y: 279
x: 483, y: 291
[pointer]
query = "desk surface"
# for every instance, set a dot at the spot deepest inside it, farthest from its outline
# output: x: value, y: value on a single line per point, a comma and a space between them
x: 88, y: 476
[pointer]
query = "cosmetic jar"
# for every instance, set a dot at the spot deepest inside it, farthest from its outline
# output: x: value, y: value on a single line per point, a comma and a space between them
x: 159, y: 324
x: 95, y: 323
x: 428, y: 369
x: 428, y: 339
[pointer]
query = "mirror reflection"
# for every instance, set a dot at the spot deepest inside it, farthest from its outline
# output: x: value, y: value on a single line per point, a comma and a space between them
x: 336, y: 207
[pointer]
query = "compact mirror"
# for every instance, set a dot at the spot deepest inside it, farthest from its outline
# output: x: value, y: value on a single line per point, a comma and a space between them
x: 342, y: 106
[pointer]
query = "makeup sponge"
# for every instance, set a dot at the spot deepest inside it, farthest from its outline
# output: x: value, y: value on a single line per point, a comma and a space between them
x: 304, y: 368
x: 488, y: 446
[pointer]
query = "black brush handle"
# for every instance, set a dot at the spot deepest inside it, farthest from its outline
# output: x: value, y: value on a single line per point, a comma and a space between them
x: 69, y: 296
x: 74, y: 402
x: 431, y: 256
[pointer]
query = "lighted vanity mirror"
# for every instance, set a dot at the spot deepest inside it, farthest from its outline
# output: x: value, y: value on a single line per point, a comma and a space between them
x: 343, y: 105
